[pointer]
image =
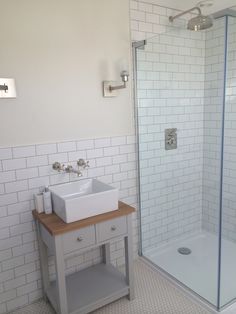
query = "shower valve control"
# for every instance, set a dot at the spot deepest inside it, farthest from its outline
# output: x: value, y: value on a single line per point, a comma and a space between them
x: 170, y: 139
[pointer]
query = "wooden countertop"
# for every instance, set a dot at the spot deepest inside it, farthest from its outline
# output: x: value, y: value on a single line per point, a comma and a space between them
x: 55, y: 225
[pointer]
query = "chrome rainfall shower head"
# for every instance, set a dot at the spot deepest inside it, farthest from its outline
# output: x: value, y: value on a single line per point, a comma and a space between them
x: 200, y: 22
x: 197, y: 23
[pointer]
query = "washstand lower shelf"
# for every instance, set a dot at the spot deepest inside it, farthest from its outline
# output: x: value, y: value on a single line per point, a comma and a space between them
x: 91, y: 288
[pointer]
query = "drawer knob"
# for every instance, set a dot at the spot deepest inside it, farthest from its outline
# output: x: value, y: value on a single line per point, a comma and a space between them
x: 113, y: 228
x: 79, y: 239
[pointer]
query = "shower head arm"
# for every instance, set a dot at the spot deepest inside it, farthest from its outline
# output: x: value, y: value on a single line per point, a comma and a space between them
x: 172, y: 18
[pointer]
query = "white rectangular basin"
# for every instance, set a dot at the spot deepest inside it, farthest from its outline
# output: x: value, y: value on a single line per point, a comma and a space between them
x: 82, y: 199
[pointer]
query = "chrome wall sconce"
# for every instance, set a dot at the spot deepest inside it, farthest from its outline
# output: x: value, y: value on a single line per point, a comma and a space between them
x: 7, y: 88
x: 110, y: 90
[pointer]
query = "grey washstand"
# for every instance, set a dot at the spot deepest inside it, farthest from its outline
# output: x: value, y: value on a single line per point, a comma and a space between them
x: 98, y: 285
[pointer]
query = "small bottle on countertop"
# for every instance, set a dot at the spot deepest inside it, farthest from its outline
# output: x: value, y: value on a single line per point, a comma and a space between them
x: 38, y: 200
x: 47, y: 201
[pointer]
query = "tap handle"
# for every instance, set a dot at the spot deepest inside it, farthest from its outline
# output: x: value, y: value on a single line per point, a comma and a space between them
x: 82, y: 163
x: 57, y: 166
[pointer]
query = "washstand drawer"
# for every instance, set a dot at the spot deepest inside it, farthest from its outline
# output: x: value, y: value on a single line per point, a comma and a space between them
x: 111, y: 228
x: 78, y: 239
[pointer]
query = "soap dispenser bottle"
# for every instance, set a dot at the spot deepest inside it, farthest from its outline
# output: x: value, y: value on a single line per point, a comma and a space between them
x: 47, y: 201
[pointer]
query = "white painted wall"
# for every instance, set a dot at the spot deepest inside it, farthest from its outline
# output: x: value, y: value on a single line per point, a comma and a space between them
x: 59, y: 52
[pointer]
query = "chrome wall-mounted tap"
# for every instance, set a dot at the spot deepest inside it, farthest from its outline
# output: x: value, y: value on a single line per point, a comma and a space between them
x: 81, y: 163
x: 70, y: 169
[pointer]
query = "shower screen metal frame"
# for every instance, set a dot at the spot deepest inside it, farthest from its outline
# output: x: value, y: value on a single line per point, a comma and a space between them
x: 222, y: 168
x: 137, y: 45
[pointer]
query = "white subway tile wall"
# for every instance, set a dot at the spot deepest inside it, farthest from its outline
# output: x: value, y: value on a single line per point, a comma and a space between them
x: 170, y: 74
x: 214, y: 95
x: 213, y: 105
x: 23, y: 171
x: 180, y: 84
x: 229, y: 177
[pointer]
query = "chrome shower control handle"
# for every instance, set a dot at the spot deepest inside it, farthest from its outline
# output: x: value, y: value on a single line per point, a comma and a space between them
x: 79, y: 239
x: 113, y: 228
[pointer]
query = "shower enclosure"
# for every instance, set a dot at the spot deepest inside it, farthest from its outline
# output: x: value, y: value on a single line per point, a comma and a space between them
x: 186, y: 126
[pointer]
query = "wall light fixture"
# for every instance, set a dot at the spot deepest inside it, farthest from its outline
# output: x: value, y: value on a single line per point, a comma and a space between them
x: 110, y: 90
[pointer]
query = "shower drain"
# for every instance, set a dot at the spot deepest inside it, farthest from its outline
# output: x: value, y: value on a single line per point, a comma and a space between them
x: 184, y: 250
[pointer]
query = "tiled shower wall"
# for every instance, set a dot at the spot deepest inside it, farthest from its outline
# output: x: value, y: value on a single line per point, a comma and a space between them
x: 213, y: 104
x: 229, y: 177
x: 170, y: 95
x: 214, y: 95
x: 23, y: 170
x: 174, y: 62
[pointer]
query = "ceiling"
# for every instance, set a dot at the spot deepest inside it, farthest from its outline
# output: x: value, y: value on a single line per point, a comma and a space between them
x: 187, y: 4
